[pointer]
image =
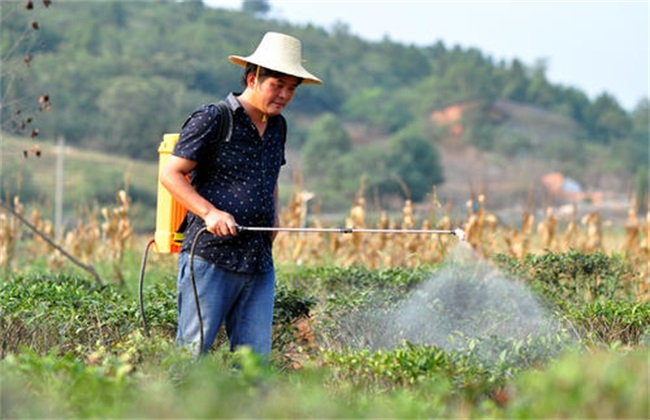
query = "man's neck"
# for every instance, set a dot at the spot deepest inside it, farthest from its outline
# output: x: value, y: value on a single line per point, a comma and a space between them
x: 248, y: 100
x: 259, y: 118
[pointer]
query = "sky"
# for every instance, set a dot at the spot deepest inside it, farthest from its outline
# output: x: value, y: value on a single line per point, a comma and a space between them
x: 595, y: 46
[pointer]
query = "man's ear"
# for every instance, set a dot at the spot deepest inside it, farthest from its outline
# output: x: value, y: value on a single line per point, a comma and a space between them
x: 251, y: 80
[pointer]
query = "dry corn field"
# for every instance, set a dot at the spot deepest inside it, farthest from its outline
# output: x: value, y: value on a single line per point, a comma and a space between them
x: 104, y: 235
x: 483, y: 232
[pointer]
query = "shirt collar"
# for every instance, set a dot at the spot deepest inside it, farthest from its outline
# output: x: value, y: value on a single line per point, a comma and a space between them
x: 233, y: 102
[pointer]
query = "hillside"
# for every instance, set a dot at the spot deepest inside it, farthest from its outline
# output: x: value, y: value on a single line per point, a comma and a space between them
x: 510, y: 184
x: 119, y: 74
x: 91, y: 180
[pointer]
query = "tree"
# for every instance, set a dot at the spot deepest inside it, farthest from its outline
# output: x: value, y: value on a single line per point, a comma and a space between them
x: 332, y: 166
x: 381, y: 109
x: 516, y: 82
x: 539, y: 90
x: 641, y: 120
x: 413, y: 160
x: 606, y: 120
x: 326, y: 141
x: 256, y: 7
x: 122, y: 102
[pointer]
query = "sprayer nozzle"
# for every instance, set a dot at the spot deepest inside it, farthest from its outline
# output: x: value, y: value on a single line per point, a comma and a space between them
x: 460, y: 234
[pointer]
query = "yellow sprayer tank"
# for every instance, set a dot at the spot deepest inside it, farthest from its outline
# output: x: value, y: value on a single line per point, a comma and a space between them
x: 169, y: 213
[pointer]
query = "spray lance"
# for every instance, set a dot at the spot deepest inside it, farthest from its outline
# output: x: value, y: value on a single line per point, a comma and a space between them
x: 459, y: 233
x: 168, y: 237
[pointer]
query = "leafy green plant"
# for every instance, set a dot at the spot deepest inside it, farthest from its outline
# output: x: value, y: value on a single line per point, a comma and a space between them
x: 603, y: 384
x: 64, y: 385
x: 613, y: 321
x: 45, y: 311
x: 72, y: 313
x: 574, y: 277
x: 89, y: 358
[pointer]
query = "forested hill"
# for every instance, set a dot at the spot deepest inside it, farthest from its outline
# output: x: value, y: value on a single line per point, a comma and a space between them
x: 116, y: 75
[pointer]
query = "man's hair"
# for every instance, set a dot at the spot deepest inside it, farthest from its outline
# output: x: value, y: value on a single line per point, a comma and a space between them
x: 263, y: 74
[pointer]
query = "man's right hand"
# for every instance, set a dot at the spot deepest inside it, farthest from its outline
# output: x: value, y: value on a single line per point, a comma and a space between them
x: 220, y: 223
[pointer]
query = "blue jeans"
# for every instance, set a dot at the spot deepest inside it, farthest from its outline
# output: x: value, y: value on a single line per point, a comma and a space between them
x: 244, y: 302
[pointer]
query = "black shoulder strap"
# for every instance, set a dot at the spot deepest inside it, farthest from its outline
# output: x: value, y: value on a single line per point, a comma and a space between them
x: 225, y: 121
x: 283, y: 127
x: 222, y: 115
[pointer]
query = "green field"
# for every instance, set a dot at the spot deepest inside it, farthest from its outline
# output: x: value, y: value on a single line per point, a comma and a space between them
x: 464, y: 338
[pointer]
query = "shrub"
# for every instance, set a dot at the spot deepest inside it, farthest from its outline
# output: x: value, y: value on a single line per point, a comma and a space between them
x: 43, y: 311
x: 578, y: 385
x: 46, y: 311
x: 612, y: 321
x: 574, y: 277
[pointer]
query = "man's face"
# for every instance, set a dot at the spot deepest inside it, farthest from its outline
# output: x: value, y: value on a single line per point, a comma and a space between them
x: 275, y: 93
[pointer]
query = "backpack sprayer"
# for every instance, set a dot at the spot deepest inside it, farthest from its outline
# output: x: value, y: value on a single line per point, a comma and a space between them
x: 169, y: 217
x: 168, y: 237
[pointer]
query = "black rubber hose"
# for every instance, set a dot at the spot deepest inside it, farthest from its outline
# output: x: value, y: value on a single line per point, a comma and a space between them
x: 196, y: 293
x: 142, y: 268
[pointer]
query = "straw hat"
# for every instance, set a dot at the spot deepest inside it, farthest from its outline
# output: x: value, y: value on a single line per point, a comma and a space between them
x: 281, y: 53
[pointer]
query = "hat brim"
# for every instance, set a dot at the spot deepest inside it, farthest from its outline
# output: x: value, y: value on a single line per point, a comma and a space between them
x: 296, y: 71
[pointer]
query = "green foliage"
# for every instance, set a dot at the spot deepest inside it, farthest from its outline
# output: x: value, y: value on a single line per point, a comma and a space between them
x: 595, y: 293
x: 410, y: 166
x: 613, y: 321
x: 258, y: 7
x: 160, y: 307
x: 468, y: 77
x: 45, y: 311
x: 122, y: 102
x: 433, y: 384
x: 463, y: 372
x: 174, y: 54
x: 326, y: 143
x: 327, y: 155
x: 96, y: 363
x: 339, y: 282
x: 516, y: 82
x: 606, y: 120
x: 291, y: 304
x: 602, y: 385
x: 575, y: 277
x: 119, y: 74
x: 62, y: 386
x: 73, y: 313
x: 378, y: 108
x: 481, y: 128
x: 414, y: 161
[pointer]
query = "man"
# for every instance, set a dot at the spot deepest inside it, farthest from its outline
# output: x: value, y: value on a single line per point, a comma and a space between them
x: 234, y: 183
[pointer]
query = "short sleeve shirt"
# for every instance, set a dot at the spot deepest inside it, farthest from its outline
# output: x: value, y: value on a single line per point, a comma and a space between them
x: 237, y: 176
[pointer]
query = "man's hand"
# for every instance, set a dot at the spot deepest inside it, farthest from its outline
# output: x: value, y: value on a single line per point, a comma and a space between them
x: 220, y: 223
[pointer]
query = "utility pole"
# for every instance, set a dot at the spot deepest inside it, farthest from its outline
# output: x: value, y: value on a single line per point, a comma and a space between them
x: 58, y: 200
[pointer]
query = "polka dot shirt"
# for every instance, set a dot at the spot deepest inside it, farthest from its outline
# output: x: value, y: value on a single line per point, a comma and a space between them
x: 238, y: 177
